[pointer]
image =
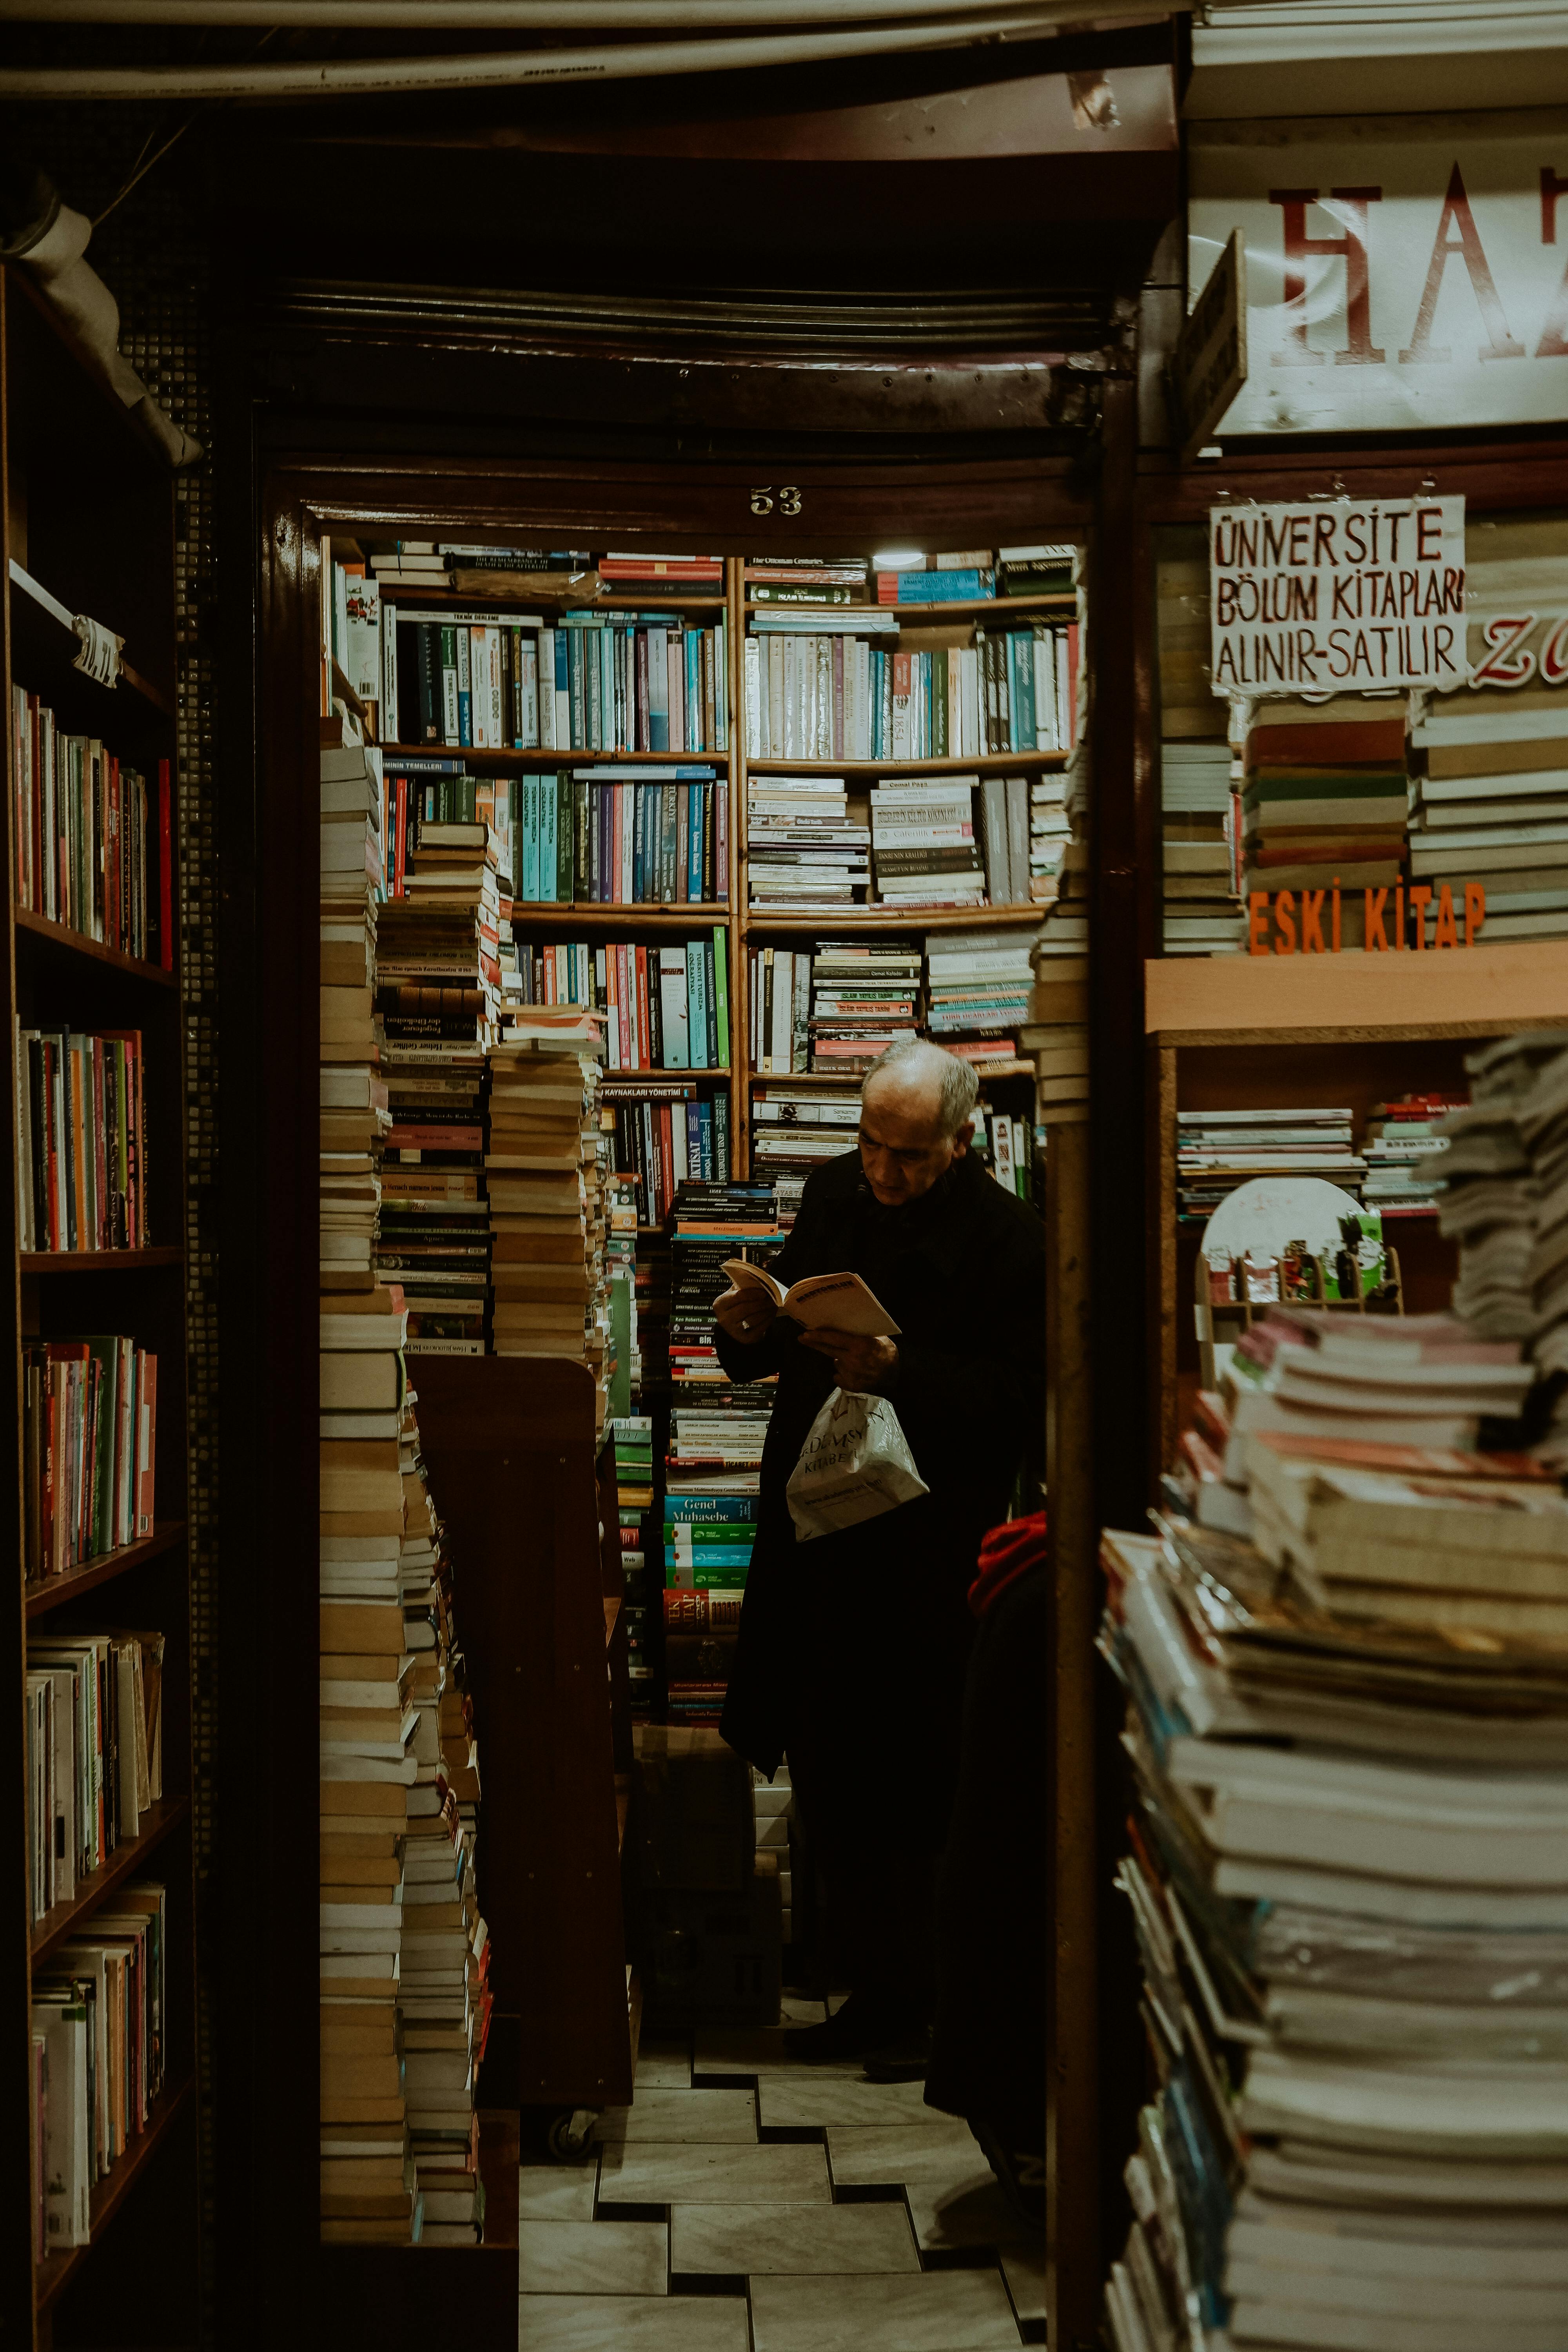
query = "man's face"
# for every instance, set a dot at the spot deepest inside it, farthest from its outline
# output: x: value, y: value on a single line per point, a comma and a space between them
x: 902, y: 1148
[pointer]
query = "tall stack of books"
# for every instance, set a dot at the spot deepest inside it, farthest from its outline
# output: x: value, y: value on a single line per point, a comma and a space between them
x: 801, y: 847
x: 547, y: 1172
x: 443, y: 1993
x: 717, y: 1426
x: 1218, y: 1149
x: 1323, y: 806
x: 1491, y: 809
x: 793, y: 1130
x: 1502, y: 1194
x: 1203, y: 912
x: 978, y: 986
x: 1056, y: 1035
x: 922, y: 844
x: 1350, y: 1748
x: 663, y: 1007
x: 1400, y: 1136
x: 438, y: 988
x: 863, y: 1000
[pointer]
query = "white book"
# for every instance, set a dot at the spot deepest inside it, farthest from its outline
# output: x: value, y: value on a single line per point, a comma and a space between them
x: 547, y: 691
x: 1046, y: 692
x: 755, y: 711
x: 1490, y: 726
x: 673, y: 998
x: 783, y: 1018
x: 774, y: 731
x: 500, y: 732
x: 527, y: 652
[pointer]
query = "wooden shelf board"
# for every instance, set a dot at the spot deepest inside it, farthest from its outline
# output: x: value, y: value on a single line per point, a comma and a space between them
x: 954, y: 608
x: 519, y: 600
x: 60, y: 935
x: 825, y: 922
x: 1356, y: 996
x: 53, y: 2274
x: 612, y: 1611
x: 692, y: 914
x: 65, y: 1919
x: 995, y: 764
x: 53, y: 1591
x: 393, y: 753
x: 97, y: 1261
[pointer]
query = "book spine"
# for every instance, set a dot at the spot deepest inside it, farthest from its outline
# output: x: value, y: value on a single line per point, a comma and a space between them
x: 463, y: 645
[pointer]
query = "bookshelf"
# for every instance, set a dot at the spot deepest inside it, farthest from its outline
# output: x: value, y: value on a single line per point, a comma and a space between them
x: 87, y: 526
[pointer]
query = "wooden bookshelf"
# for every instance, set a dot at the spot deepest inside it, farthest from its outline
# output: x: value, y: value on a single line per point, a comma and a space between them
x: 958, y: 608
x: 87, y: 526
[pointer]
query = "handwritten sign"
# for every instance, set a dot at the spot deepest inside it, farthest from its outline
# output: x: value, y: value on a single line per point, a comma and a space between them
x: 1342, y: 596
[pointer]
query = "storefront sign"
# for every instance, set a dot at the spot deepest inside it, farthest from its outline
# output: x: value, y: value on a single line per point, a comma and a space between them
x: 1209, y: 365
x: 1343, y: 596
x: 1312, y: 922
x: 1396, y: 280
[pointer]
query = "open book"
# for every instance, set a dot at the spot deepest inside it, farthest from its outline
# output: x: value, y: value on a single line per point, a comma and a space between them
x: 832, y: 1302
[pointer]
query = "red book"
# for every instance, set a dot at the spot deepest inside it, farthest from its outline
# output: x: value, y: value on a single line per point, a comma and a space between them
x: 1333, y: 743
x: 166, y: 870
x: 146, y: 1440
x: 645, y: 1026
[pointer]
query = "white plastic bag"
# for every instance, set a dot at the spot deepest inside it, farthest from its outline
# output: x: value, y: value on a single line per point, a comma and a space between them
x: 855, y: 1464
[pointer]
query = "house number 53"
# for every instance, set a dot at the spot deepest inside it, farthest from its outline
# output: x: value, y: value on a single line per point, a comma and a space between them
x: 787, y: 500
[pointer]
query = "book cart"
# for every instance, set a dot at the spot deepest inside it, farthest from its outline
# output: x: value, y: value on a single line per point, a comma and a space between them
x: 88, y: 528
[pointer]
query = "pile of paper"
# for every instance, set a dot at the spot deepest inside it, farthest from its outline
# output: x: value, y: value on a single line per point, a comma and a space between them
x: 1349, y: 1877
x: 1203, y: 913
x: 1491, y: 809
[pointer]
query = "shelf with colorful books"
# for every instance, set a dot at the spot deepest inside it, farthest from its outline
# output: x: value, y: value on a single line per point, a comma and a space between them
x: 957, y: 608
x: 50, y: 934
x: 532, y: 755
x: 687, y: 914
x: 993, y: 762
x: 505, y: 600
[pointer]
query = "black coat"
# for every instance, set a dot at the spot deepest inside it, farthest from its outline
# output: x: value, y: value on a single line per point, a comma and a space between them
x: 853, y: 1645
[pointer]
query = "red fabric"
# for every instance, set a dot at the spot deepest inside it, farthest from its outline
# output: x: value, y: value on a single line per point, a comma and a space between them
x: 1004, y: 1554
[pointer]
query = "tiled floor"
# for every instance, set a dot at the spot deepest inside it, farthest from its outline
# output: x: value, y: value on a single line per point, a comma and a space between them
x: 747, y: 2204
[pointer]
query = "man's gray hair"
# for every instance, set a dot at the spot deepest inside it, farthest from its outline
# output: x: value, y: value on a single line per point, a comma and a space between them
x: 916, y: 1058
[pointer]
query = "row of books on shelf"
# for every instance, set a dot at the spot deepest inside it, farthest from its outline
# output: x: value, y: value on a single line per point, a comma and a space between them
x: 665, y: 1136
x: 822, y: 687
x: 89, y: 1432
x: 81, y: 1140
x: 1392, y: 1169
x: 588, y: 682
x: 614, y: 836
x: 94, y: 838
x: 97, y: 2010
x: 943, y: 841
x: 463, y: 566
x: 838, y: 1005
x: 662, y: 1007
x: 94, y: 1753
x: 894, y: 576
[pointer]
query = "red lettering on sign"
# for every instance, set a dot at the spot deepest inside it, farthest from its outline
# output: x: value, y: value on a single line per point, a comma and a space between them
x: 1456, y: 214
x: 1358, y: 350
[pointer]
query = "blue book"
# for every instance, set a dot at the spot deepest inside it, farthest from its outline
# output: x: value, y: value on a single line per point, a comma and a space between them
x: 694, y: 715
x: 658, y: 691
x: 938, y: 587
x: 713, y: 1556
x: 709, y: 1507
x: 705, y: 1123
x: 562, y: 683
x: 1021, y: 648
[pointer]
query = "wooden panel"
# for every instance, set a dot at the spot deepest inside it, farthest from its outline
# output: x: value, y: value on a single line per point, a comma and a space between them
x: 509, y: 1450
x: 1465, y: 992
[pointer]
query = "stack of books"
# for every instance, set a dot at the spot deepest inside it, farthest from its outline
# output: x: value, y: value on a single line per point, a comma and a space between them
x: 453, y: 564
x: 1323, y: 806
x: 793, y: 1130
x: 664, y: 1134
x: 367, y: 1771
x: 1050, y: 830
x: 590, y: 681
x: 1490, y: 1194
x: 90, y: 1432
x: 1203, y: 911
x: 1491, y: 809
x: 94, y: 845
x: 1047, y: 571
x: 1218, y: 1149
x: 1350, y: 1748
x: 801, y: 848
x: 443, y: 1995
x: 863, y: 999
x: 692, y: 572
x: 82, y: 1140
x: 97, y: 2012
x: 1056, y: 1035
x: 717, y: 1426
x: 923, y: 845
x: 708, y: 1540
x: 546, y: 1173
x: 663, y: 1007
x: 438, y: 963
x: 635, y: 1497
x: 1400, y: 1136
x: 807, y: 579
x: 977, y: 996
x: 966, y: 575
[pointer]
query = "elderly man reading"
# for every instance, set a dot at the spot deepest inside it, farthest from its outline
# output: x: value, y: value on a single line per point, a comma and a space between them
x: 853, y: 1645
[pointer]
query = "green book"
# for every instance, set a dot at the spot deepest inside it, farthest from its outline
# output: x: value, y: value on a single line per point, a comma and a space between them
x: 721, y: 995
